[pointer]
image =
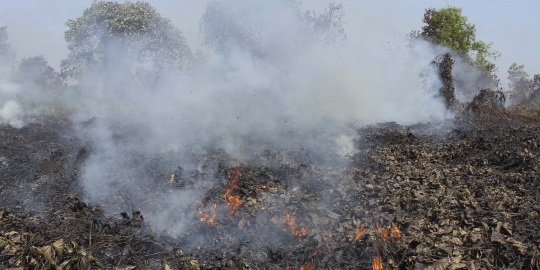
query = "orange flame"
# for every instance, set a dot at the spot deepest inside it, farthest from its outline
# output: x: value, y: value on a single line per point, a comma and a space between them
x: 384, y: 233
x: 360, y: 232
x: 307, y: 266
x: 395, y: 232
x: 233, y: 201
x: 208, y: 218
x: 377, y: 261
x: 290, y: 222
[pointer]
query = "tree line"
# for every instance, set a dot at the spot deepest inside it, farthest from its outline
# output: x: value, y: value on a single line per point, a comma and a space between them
x: 113, y: 43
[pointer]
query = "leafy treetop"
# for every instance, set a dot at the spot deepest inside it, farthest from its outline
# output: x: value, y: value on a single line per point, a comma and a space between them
x: 448, y: 27
x: 108, y: 33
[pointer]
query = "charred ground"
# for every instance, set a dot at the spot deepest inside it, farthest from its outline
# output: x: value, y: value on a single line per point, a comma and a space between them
x: 463, y: 197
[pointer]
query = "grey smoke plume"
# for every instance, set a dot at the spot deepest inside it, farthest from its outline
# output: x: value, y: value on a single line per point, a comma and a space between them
x: 282, y: 88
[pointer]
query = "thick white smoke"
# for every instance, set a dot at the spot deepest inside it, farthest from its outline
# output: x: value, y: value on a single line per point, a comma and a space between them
x: 283, y: 88
x: 11, y: 114
x: 280, y: 92
x: 10, y: 110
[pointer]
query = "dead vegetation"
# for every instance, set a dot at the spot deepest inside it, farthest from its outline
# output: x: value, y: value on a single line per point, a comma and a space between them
x: 406, y: 199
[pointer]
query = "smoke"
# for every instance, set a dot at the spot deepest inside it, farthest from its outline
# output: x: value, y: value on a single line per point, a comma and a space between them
x: 285, y: 90
x: 11, y: 114
x: 281, y: 88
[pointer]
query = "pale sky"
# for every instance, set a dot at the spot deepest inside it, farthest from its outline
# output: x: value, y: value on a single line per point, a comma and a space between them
x: 36, y: 27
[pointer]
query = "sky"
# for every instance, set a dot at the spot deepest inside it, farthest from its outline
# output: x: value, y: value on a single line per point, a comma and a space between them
x: 36, y: 27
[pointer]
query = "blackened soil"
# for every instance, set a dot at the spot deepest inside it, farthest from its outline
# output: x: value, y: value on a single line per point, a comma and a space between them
x: 461, y: 196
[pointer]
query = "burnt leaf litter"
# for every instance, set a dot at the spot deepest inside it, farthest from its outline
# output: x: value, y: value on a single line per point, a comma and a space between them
x: 466, y: 197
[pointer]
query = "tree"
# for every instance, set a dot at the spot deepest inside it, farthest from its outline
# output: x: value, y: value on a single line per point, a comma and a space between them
x: 37, y: 72
x: 444, y: 64
x: 268, y: 29
x: 449, y: 28
x: 523, y: 89
x: 7, y: 56
x: 130, y: 38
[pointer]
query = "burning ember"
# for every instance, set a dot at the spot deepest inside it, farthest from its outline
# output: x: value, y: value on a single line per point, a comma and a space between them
x: 208, y: 218
x: 395, y: 232
x: 289, y: 222
x: 360, y: 232
x: 377, y: 262
x: 233, y: 201
x: 388, y: 231
x: 384, y: 232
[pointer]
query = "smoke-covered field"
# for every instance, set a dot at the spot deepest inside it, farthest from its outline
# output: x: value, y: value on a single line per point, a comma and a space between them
x: 283, y: 140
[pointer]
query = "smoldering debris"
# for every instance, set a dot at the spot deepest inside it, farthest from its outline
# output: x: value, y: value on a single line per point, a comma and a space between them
x: 260, y: 92
x: 404, y: 200
x: 254, y: 160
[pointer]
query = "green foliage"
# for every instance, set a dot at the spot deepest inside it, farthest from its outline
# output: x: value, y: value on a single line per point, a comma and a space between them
x: 268, y: 28
x: 482, y: 51
x: 129, y: 35
x: 448, y: 27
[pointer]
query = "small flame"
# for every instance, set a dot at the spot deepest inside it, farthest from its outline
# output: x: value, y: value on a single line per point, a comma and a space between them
x: 233, y: 201
x: 360, y: 232
x: 290, y: 222
x: 307, y: 266
x: 395, y: 232
x: 208, y: 218
x: 377, y: 261
x: 384, y: 232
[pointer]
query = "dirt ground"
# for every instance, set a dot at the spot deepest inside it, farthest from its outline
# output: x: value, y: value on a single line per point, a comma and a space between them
x: 463, y: 197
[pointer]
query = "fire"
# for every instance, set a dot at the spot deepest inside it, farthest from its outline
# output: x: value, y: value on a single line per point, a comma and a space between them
x: 208, y: 218
x: 377, y: 261
x: 307, y: 266
x: 389, y: 231
x: 290, y: 222
x: 395, y: 232
x: 233, y: 201
x: 384, y: 232
x: 360, y: 232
